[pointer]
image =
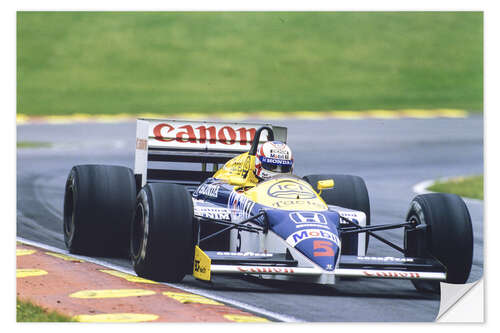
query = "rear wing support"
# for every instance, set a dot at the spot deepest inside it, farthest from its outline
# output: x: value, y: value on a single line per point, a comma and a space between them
x: 179, y: 151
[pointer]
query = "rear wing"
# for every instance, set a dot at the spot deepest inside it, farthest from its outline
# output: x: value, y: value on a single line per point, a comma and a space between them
x: 179, y: 151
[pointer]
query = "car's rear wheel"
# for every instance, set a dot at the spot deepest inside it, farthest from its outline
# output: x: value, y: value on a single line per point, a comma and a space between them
x: 448, y: 236
x: 99, y: 203
x: 162, y: 234
x: 348, y: 192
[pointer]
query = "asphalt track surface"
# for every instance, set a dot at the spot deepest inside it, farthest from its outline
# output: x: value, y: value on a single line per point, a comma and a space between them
x: 391, y: 155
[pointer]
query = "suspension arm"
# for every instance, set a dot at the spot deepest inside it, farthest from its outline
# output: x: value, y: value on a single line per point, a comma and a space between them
x: 369, y: 230
x: 375, y: 228
x: 238, y: 225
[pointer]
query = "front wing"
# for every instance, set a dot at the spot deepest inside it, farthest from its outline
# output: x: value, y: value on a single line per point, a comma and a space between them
x: 268, y: 265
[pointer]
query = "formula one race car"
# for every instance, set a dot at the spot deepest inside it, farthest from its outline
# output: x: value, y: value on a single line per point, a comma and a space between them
x: 174, y: 222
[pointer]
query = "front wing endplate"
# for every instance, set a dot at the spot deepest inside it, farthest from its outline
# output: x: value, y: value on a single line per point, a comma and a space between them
x: 202, y: 263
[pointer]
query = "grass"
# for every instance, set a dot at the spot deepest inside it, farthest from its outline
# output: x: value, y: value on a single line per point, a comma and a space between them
x: 166, y: 62
x: 471, y: 187
x: 28, y: 312
x: 32, y: 144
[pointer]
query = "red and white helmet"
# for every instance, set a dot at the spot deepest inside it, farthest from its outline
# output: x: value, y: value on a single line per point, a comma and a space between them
x: 273, y: 158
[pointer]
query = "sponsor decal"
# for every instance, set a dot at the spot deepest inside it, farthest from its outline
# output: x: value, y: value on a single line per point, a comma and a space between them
x: 227, y: 135
x: 236, y: 167
x: 308, y: 217
x: 277, y: 144
x: 199, y: 268
x: 240, y: 206
x: 276, y: 161
x: 208, y: 190
x: 298, y: 226
x: 301, y: 235
x: 391, y: 274
x: 287, y: 194
x: 387, y: 259
x: 246, y: 166
x: 289, y: 189
x: 212, y: 213
x: 244, y: 254
x: 249, y: 269
x: 314, y: 204
x: 201, y: 265
x: 346, y: 214
x: 141, y: 144
x: 350, y: 216
x: 323, y: 249
x: 280, y: 154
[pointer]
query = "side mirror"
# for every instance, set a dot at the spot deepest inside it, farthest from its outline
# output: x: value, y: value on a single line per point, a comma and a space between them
x: 325, y: 184
x: 237, y: 181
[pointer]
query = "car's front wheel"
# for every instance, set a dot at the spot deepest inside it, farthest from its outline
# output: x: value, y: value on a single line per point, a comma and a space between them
x: 162, y: 233
x: 448, y: 236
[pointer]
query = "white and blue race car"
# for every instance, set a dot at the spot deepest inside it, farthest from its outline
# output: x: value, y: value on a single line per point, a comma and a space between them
x: 173, y: 217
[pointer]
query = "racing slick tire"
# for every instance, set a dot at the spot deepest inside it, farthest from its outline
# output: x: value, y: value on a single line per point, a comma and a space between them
x: 162, y: 233
x: 448, y: 236
x: 99, y: 202
x: 348, y: 192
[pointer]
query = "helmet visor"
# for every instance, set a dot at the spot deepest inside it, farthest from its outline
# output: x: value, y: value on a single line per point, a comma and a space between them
x: 276, y: 165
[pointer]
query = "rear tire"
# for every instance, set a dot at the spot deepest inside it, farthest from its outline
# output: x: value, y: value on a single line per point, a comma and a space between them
x: 448, y: 238
x: 348, y: 192
x: 162, y: 233
x: 99, y: 203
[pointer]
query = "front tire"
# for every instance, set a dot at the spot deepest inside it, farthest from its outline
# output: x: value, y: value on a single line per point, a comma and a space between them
x: 99, y: 203
x: 448, y: 236
x: 162, y: 233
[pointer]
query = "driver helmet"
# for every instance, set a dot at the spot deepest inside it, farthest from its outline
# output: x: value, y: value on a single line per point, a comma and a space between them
x: 273, y: 158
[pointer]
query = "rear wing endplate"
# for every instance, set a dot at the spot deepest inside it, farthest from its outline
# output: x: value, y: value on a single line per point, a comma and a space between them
x: 161, y: 142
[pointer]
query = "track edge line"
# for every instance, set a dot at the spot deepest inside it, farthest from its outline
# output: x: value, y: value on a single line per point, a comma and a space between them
x: 422, y: 188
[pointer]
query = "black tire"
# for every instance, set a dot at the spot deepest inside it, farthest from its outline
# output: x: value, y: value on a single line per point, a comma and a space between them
x: 162, y: 234
x: 448, y: 237
x: 99, y: 202
x: 348, y: 192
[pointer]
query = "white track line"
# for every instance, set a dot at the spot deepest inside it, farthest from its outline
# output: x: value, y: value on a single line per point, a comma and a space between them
x: 421, y: 188
x: 201, y: 292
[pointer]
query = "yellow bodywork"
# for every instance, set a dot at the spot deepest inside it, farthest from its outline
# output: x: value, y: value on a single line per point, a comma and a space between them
x: 202, y: 262
x: 286, y: 193
x: 325, y: 184
x: 240, y: 166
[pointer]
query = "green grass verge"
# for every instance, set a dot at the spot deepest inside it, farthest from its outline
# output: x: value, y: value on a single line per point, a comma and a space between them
x: 28, y: 312
x: 471, y: 187
x: 168, y: 62
x: 32, y: 144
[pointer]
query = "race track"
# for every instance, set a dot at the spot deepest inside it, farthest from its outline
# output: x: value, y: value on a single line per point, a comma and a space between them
x: 391, y: 155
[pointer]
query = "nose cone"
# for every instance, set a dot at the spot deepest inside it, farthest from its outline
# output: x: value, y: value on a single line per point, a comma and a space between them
x: 314, y: 234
